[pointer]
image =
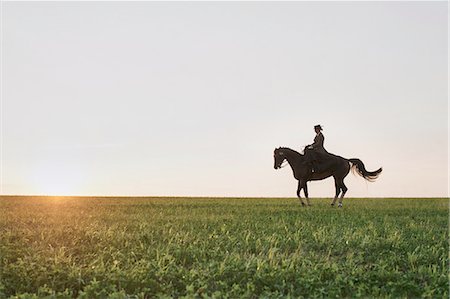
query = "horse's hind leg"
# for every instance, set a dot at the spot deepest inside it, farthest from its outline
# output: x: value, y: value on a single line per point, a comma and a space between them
x: 299, y: 188
x: 338, y: 190
x: 344, y: 190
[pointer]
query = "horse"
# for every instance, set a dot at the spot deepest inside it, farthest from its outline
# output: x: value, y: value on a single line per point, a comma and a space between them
x: 332, y: 165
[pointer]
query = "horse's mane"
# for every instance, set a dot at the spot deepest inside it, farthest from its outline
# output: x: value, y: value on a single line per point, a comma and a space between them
x: 291, y: 150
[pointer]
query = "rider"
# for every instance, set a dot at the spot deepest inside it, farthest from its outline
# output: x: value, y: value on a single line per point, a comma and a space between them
x: 317, y: 147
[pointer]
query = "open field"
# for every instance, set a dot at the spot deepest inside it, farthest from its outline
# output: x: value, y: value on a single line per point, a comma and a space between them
x: 62, y: 247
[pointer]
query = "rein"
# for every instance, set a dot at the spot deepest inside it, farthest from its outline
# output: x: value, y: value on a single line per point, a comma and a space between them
x: 284, y: 164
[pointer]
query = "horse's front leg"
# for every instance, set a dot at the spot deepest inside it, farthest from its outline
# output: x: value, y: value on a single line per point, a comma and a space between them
x: 305, y: 190
x: 299, y: 188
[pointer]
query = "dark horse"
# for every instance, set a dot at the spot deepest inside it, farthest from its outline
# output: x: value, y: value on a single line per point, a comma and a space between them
x: 332, y: 165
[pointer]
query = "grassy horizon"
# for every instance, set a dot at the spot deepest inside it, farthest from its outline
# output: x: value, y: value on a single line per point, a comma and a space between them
x: 204, y: 197
x: 147, y: 247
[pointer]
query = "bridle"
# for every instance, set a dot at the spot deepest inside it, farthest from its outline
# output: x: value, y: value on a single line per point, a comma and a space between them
x: 284, y: 163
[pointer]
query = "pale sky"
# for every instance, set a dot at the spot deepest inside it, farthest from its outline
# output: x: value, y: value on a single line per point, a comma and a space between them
x: 191, y: 98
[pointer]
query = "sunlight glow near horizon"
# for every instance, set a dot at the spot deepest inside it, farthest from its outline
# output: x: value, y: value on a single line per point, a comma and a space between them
x: 190, y: 99
x: 50, y: 178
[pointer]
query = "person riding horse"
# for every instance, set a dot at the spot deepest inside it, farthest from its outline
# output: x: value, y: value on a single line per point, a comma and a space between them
x: 313, y: 152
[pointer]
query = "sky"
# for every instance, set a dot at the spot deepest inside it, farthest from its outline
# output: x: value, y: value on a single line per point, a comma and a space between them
x: 192, y: 98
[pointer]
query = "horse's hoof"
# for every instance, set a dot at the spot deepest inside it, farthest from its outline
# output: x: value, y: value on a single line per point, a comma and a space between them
x: 340, y: 206
x: 332, y: 204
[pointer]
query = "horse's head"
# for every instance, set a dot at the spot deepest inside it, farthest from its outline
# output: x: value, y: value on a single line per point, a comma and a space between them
x: 279, y: 156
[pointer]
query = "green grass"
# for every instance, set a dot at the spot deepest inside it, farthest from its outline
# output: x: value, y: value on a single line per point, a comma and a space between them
x: 222, y: 248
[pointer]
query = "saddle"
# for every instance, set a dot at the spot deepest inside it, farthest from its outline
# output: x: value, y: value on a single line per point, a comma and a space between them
x: 317, y: 161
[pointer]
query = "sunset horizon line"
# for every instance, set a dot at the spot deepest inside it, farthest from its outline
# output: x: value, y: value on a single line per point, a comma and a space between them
x: 212, y: 196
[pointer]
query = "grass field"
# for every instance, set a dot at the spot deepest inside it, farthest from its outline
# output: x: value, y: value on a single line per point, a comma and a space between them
x: 54, y: 247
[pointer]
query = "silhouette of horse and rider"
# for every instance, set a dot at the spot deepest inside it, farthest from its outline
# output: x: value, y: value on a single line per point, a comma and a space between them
x: 317, y: 164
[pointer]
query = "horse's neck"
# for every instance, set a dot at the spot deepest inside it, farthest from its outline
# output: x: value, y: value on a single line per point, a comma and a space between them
x: 295, y: 160
x: 293, y: 157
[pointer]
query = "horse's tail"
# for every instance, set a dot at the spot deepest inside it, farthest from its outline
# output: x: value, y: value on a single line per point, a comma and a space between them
x: 361, y: 170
